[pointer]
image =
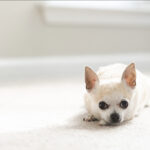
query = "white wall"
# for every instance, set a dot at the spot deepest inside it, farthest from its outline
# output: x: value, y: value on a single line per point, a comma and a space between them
x: 24, y: 33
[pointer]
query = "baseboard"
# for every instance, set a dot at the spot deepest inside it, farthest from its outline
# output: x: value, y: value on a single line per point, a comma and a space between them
x: 63, y: 67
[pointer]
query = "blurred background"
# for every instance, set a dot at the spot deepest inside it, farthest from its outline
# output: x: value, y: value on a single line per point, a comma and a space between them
x: 71, y: 34
x: 44, y: 46
x: 30, y: 29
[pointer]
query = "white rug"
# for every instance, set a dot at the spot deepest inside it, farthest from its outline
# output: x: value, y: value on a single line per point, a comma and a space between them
x: 48, y: 116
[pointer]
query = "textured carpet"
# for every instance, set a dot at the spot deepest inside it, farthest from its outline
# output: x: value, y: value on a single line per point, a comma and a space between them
x: 48, y: 116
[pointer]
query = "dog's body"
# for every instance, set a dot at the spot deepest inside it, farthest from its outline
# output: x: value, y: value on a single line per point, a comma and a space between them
x: 116, y: 93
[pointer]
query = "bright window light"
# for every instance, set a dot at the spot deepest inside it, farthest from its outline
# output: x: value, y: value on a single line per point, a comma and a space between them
x: 101, y: 4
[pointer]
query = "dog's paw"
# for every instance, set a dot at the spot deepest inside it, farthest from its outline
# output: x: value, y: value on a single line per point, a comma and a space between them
x: 89, y: 118
x: 102, y: 123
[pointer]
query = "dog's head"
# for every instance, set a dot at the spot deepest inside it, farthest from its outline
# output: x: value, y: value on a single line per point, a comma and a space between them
x: 112, y: 99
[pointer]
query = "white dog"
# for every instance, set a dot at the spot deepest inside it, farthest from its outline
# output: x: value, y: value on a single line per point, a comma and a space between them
x: 115, y: 94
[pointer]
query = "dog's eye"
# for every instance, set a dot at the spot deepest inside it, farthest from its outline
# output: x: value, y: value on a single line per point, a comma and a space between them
x: 124, y: 104
x: 103, y: 105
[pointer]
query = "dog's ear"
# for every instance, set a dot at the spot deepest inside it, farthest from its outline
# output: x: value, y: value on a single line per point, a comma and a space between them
x: 90, y: 78
x: 129, y: 75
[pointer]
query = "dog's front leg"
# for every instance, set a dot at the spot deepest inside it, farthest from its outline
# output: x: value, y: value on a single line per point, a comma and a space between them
x: 90, y: 118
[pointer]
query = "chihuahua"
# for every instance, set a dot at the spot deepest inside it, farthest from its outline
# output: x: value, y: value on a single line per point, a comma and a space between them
x: 115, y: 94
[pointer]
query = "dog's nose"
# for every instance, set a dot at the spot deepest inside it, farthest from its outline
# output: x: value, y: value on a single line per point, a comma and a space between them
x: 115, y: 118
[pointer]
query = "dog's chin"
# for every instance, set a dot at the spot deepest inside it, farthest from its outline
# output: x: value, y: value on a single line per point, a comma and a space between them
x: 114, y: 124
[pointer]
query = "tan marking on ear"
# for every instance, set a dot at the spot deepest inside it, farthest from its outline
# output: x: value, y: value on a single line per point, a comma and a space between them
x: 129, y: 75
x: 90, y: 78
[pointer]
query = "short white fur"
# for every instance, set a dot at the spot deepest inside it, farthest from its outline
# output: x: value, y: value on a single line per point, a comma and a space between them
x: 111, y: 89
